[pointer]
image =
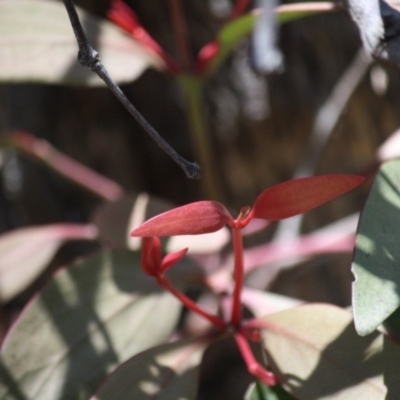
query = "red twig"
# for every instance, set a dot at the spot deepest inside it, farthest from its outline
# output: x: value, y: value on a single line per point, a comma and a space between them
x: 191, y: 305
x: 253, y: 366
x: 181, y: 34
x: 66, y: 166
x: 239, y: 275
x: 239, y: 8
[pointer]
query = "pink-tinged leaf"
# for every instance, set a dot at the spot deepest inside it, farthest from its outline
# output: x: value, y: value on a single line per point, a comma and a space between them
x: 317, y: 354
x: 172, y: 259
x: 45, y: 49
x: 301, y: 195
x: 25, y: 253
x: 94, y: 315
x: 191, y: 219
x: 169, y: 371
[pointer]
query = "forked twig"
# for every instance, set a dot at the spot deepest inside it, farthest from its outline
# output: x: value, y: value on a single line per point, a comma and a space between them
x: 89, y: 57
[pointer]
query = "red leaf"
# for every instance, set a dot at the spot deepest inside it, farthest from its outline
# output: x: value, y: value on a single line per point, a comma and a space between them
x: 172, y: 259
x: 121, y: 14
x: 300, y: 195
x: 151, y: 255
x: 191, y: 219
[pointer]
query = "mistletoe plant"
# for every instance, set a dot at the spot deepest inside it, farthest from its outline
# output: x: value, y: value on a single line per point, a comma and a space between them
x: 275, y: 203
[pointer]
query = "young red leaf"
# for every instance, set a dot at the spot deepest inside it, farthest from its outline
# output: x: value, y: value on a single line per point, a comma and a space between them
x: 151, y: 255
x: 172, y: 259
x: 300, y: 195
x: 191, y: 219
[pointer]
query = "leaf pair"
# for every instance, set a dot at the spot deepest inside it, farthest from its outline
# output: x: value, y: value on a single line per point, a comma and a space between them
x: 278, y: 202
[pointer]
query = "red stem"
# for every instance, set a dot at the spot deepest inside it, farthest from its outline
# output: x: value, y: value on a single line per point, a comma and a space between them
x: 181, y: 34
x: 66, y: 166
x: 239, y: 276
x: 239, y: 9
x: 256, y: 369
x: 216, y: 321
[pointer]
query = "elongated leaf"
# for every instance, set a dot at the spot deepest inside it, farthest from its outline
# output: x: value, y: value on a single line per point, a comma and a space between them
x: 170, y: 371
x: 376, y: 258
x: 301, y: 195
x: 116, y: 220
x: 258, y: 391
x: 38, y: 44
x: 25, y: 253
x: 92, y: 317
x: 317, y: 354
x: 191, y: 219
x: 233, y: 32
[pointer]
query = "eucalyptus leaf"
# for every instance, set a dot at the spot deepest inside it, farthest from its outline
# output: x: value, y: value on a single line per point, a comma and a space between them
x: 170, y: 371
x: 376, y: 289
x: 26, y: 252
x: 92, y: 317
x: 317, y: 354
x: 38, y: 45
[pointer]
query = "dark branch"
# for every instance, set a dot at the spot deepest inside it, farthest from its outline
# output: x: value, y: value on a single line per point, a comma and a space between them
x: 89, y: 57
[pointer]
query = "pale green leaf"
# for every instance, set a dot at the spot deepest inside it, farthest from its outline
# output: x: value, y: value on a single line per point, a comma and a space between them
x: 26, y: 252
x: 38, y: 45
x: 91, y: 318
x: 317, y: 354
x: 167, y: 372
x: 376, y: 292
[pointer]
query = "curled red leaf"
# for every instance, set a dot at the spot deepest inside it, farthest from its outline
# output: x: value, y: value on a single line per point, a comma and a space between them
x: 172, y: 258
x: 151, y: 255
x: 301, y: 195
x: 191, y: 219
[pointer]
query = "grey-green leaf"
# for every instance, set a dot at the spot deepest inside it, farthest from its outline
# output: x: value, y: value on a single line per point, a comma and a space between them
x: 167, y: 372
x: 376, y: 289
x: 317, y: 354
x: 91, y: 318
x: 26, y: 252
x: 38, y: 45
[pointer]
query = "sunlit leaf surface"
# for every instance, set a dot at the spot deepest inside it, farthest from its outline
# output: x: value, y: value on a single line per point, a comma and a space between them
x: 38, y: 45
x: 92, y: 317
x: 170, y: 371
x: 376, y: 259
x: 317, y: 354
x: 25, y: 253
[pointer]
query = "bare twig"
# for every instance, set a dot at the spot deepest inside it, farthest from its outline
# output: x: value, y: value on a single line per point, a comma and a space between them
x: 89, y: 57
